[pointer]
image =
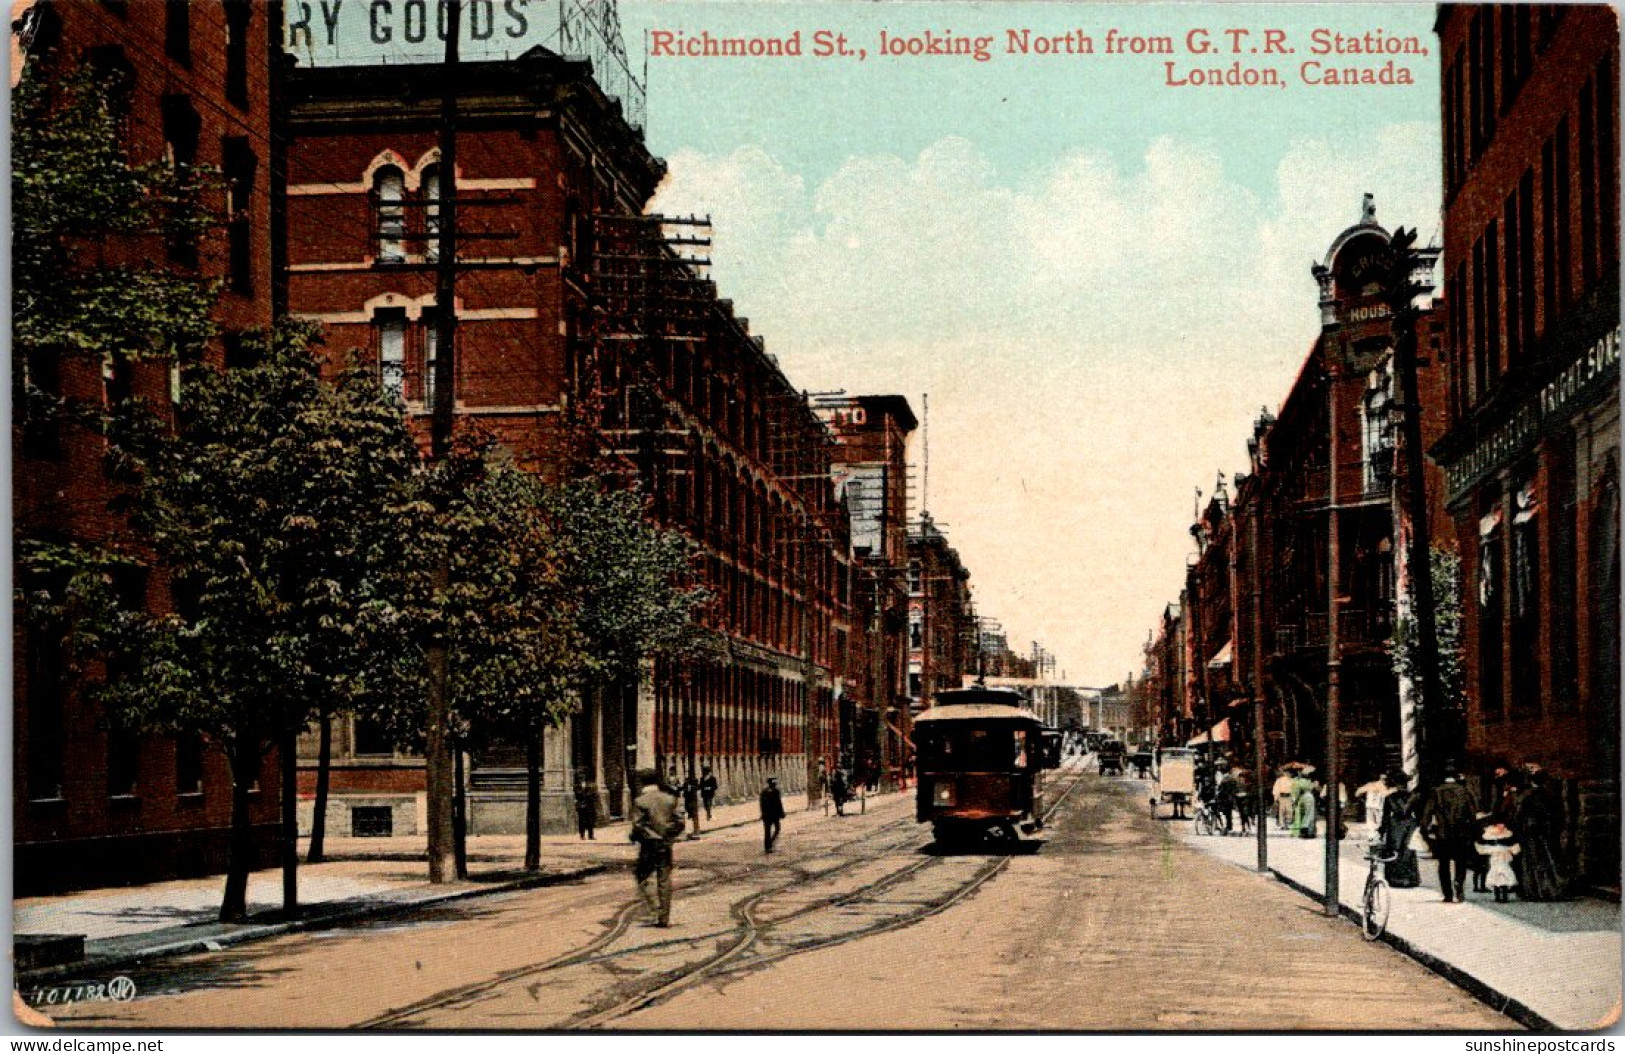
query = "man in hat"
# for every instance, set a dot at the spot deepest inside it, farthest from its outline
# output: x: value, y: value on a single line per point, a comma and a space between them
x: 657, y: 821
x: 772, y: 813
x: 1450, y: 824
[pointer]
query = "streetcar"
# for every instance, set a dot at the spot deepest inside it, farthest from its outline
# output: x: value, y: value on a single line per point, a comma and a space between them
x: 980, y: 760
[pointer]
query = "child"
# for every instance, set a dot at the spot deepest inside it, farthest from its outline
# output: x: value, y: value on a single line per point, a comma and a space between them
x: 1498, y: 846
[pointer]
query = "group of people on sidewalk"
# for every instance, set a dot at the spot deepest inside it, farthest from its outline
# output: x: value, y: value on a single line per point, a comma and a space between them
x: 1510, y: 847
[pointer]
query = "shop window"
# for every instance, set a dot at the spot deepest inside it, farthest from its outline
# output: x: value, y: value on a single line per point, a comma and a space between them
x: 1525, y: 579
x: 1490, y: 606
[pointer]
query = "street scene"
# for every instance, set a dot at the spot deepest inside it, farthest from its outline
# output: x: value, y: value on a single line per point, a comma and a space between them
x: 603, y: 516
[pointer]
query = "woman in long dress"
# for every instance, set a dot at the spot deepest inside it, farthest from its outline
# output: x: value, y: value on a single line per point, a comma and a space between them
x: 1303, y: 806
x: 1541, y: 874
x: 1394, y: 833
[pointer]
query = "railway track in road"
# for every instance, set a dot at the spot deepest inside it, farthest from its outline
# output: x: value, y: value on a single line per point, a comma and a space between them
x: 810, y: 908
x: 759, y: 942
x: 597, y: 949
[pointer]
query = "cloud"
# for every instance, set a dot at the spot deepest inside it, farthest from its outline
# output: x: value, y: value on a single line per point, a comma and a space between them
x: 1095, y: 338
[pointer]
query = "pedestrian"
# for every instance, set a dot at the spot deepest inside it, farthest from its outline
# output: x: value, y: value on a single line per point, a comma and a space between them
x: 772, y: 813
x: 839, y: 790
x: 820, y: 787
x: 657, y: 820
x: 1539, y: 832
x: 1224, y: 799
x: 691, y: 802
x: 1449, y: 823
x: 708, y: 790
x: 1282, y: 790
x: 1394, y: 832
x: 586, y: 810
x: 1498, y: 846
x: 1303, y: 805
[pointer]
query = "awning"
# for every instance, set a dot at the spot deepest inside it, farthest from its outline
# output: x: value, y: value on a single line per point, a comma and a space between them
x: 1221, y: 734
x: 1220, y: 657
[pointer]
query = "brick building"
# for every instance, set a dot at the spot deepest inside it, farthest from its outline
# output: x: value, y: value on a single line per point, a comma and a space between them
x: 870, y: 470
x: 585, y: 343
x: 1531, y: 238
x: 193, y: 85
x: 1252, y: 618
x: 941, y: 617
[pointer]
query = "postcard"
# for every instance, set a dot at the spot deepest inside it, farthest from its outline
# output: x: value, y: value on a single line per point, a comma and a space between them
x: 732, y: 516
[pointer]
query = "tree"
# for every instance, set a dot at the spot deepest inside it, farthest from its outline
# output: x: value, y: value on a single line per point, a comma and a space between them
x: 1445, y: 568
x: 267, y: 505
x: 85, y: 222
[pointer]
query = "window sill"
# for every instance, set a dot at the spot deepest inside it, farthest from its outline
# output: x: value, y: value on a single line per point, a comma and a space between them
x: 53, y: 801
x: 124, y: 799
x: 189, y: 797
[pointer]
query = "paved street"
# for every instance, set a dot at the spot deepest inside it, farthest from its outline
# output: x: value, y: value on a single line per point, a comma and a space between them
x: 1112, y: 923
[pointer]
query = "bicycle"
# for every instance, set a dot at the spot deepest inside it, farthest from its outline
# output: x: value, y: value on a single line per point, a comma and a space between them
x: 1374, y: 901
x: 1205, y: 820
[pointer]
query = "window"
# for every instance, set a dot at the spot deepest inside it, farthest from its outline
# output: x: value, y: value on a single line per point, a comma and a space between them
x: 178, y: 31
x: 371, y: 739
x: 118, y: 382
x: 1489, y: 587
x: 240, y: 164
x: 47, y: 697
x: 1563, y: 219
x: 189, y: 763
x: 371, y: 821
x: 431, y: 212
x: 181, y: 127
x: 1525, y: 588
x: 1588, y: 186
x: 389, y: 190
x: 237, y: 14
x: 42, y: 387
x: 391, y: 327
x: 1564, y: 636
x: 123, y: 763
x: 431, y: 354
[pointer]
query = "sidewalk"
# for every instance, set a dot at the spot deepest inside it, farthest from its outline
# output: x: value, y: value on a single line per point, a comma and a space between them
x: 362, y: 877
x: 1547, y: 965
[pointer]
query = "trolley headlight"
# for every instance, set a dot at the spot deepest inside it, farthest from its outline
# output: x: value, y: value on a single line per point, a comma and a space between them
x: 942, y: 793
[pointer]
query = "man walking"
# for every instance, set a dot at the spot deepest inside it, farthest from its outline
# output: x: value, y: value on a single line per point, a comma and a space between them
x: 586, y: 810
x: 691, y: 802
x: 1449, y: 823
x: 772, y: 813
x: 657, y: 820
x: 708, y: 790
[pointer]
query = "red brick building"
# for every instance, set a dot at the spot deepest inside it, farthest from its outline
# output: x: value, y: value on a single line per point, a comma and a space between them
x: 194, y: 86
x: 870, y: 469
x: 1531, y: 229
x: 579, y: 326
x: 1252, y: 618
x: 941, y: 616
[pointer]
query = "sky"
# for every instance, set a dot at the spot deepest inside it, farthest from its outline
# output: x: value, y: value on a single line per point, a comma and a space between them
x: 1098, y: 279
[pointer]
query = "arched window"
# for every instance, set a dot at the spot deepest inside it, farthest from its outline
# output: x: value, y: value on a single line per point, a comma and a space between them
x: 389, y: 187
x: 391, y: 327
x: 431, y: 212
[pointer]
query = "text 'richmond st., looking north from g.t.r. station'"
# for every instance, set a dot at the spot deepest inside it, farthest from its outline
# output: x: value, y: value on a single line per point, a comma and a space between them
x: 1202, y: 57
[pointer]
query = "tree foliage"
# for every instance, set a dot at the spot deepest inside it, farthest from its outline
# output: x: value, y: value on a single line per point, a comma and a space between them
x: 88, y: 225
x: 1445, y: 566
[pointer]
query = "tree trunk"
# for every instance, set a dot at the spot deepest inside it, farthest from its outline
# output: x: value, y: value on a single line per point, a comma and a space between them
x: 290, y: 823
x: 533, y: 802
x: 459, y: 811
x: 324, y: 767
x: 234, y: 904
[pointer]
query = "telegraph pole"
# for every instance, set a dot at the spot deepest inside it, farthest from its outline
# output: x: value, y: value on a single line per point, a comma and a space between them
x: 1334, y: 651
x: 1437, y: 738
x: 437, y: 759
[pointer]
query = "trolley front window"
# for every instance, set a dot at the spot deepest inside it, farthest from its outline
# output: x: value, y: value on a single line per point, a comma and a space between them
x: 974, y: 749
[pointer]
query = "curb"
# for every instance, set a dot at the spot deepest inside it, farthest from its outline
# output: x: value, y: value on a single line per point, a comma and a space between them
x: 1490, y: 997
x: 363, y: 910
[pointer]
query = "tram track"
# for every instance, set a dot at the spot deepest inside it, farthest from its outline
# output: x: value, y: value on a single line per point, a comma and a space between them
x: 622, y: 921
x: 751, y: 932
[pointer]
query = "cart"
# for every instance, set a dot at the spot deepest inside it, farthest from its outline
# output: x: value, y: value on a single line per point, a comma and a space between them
x: 1176, y: 781
x: 1110, y: 758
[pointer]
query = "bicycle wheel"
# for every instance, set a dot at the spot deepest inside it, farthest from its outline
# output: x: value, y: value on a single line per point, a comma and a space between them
x: 1203, y: 824
x: 1374, y: 910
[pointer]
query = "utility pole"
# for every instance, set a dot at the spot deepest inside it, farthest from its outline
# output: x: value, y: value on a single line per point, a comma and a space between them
x: 437, y: 759
x: 1334, y: 652
x: 1438, y: 732
x: 1261, y: 786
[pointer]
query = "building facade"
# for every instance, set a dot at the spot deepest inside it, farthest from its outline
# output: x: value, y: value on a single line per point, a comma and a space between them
x: 587, y: 343
x: 941, y: 617
x: 193, y: 87
x: 1531, y: 232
